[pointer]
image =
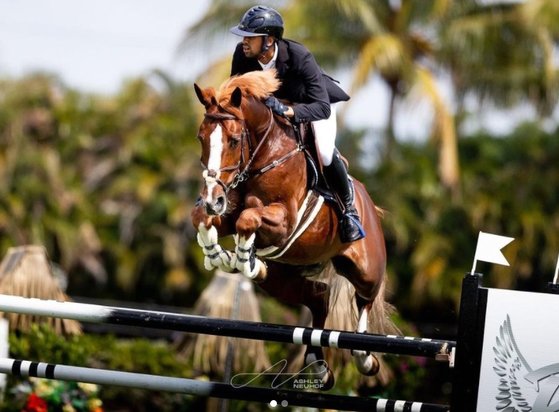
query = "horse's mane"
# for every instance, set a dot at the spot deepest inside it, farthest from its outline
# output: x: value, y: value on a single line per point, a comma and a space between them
x: 258, y: 84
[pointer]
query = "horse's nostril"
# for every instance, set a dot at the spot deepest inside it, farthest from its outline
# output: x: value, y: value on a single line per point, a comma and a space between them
x: 217, y: 207
x: 209, y: 209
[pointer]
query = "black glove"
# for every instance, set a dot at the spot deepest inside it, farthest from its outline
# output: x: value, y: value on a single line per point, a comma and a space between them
x: 277, y: 107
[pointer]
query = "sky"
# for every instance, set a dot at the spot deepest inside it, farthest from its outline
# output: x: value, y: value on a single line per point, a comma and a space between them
x: 95, y: 45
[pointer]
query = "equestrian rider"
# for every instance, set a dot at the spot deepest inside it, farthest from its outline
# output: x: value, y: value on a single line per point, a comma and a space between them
x: 302, y: 82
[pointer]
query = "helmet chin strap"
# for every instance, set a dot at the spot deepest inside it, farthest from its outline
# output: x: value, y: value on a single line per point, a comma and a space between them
x: 265, y: 46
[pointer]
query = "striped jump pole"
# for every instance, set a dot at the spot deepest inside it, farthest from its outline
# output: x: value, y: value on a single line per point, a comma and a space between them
x: 274, y: 397
x: 438, y: 349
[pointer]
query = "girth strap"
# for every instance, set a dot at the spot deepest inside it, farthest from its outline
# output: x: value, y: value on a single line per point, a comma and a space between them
x: 305, y: 216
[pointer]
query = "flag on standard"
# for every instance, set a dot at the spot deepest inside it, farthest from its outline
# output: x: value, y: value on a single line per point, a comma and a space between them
x: 489, y: 247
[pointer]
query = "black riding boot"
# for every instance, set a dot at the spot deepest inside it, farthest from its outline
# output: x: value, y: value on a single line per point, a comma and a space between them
x: 338, y: 180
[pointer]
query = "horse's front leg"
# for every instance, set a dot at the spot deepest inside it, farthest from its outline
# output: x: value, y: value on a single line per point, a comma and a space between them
x: 214, y: 255
x: 271, y: 222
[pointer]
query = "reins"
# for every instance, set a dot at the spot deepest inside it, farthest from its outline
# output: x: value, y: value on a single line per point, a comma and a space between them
x: 246, y: 172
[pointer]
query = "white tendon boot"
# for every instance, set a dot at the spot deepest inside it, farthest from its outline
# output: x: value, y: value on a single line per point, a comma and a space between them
x: 215, y: 255
x: 366, y: 362
x: 245, y: 260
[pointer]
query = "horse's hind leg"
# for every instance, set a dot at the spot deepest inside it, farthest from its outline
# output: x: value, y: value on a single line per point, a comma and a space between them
x: 363, y: 263
x: 366, y: 362
x: 314, y: 355
x: 285, y: 284
x: 367, y: 277
x: 368, y: 288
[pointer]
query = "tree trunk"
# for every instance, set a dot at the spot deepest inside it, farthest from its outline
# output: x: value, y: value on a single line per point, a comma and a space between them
x: 390, y: 134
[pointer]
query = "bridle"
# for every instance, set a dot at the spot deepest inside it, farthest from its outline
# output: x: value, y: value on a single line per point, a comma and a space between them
x: 243, y: 168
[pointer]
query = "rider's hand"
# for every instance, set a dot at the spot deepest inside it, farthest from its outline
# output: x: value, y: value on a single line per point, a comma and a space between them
x: 277, y: 107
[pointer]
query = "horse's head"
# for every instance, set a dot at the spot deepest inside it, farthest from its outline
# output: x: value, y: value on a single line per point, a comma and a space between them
x: 225, y: 134
x: 222, y: 137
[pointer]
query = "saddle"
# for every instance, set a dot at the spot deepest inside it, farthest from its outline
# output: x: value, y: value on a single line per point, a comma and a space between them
x: 315, y: 179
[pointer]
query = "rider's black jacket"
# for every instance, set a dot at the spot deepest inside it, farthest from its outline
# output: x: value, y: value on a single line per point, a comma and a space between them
x: 303, y: 81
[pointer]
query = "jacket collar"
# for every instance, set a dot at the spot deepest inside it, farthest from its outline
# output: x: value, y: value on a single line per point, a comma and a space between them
x: 282, y: 62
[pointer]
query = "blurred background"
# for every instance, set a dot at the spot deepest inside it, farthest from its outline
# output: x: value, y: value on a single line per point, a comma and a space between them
x: 452, y: 126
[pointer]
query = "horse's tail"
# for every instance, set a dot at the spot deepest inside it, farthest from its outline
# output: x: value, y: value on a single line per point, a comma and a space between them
x: 380, y: 316
x: 342, y: 302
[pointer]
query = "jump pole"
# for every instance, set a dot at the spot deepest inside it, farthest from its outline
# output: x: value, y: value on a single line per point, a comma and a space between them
x: 282, y: 397
x: 403, y: 345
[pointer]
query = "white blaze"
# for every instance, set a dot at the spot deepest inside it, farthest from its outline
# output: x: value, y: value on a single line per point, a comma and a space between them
x: 214, y: 161
x: 216, y: 147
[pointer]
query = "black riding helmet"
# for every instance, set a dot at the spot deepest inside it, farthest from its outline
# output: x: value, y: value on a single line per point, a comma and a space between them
x: 260, y: 21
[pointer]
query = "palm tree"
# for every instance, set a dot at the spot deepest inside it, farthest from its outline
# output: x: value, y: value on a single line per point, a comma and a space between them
x: 403, y: 55
x: 502, y: 53
x: 210, y: 33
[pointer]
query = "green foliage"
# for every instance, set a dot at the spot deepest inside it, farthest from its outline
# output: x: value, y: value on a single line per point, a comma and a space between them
x: 105, y: 352
x: 106, y: 184
x: 41, y: 340
x: 507, y: 188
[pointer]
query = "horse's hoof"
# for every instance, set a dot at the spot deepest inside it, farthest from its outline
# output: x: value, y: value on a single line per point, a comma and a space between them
x: 257, y: 274
x: 328, y: 381
x: 320, y: 370
x: 367, y: 365
x: 262, y: 272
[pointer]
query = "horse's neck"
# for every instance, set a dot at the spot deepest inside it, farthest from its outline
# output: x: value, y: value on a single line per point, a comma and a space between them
x: 279, y: 141
x: 257, y: 118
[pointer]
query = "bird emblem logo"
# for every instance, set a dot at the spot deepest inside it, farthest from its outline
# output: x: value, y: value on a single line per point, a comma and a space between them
x: 522, y: 389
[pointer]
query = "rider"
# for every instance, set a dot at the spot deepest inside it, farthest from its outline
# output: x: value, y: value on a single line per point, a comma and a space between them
x: 303, y: 82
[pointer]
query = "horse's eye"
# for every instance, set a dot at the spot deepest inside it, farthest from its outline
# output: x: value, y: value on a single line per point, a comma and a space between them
x: 234, y: 141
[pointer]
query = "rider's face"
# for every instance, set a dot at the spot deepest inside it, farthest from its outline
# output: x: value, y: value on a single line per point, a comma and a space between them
x: 252, y: 46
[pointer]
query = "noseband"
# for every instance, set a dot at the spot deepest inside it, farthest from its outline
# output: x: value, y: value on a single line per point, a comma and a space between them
x: 246, y: 172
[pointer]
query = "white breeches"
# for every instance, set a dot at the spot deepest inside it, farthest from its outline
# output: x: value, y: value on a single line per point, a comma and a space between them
x: 325, y: 136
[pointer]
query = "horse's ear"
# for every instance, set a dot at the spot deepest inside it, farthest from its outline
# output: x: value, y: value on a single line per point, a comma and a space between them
x: 236, y: 97
x: 202, y: 96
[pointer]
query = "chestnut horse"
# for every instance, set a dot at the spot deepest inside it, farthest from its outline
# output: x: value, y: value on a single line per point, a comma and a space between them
x: 255, y: 188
